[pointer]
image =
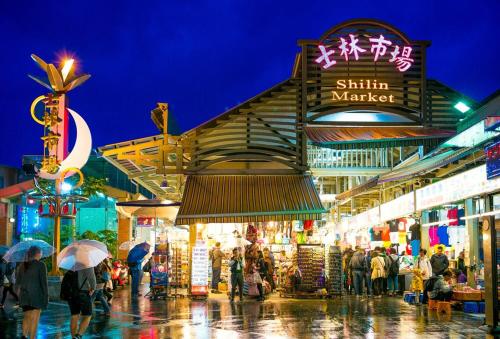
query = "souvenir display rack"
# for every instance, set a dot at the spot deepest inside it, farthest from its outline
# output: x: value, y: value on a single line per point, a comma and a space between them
x: 179, y: 266
x: 311, y: 262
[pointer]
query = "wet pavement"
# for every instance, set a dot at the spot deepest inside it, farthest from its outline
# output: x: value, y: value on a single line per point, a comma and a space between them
x: 346, y: 317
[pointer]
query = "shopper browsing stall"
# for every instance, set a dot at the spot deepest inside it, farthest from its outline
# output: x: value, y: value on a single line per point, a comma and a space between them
x: 236, y: 266
x: 357, y: 267
x: 216, y: 256
x: 378, y: 273
x: 439, y: 262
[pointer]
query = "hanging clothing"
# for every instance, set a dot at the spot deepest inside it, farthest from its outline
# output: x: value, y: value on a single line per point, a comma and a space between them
x: 386, y: 234
x: 308, y: 225
x: 408, y: 249
x: 415, y: 231
x: 394, y: 237
x: 376, y: 235
x: 453, y: 235
x: 442, y: 233
x: 393, y: 226
x: 415, y: 246
x: 461, y: 213
x: 433, y: 236
x: 402, y: 225
x: 452, y: 215
x: 433, y: 216
x: 402, y: 238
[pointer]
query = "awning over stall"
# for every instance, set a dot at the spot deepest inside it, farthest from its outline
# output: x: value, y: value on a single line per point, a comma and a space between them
x: 339, y: 137
x: 248, y: 198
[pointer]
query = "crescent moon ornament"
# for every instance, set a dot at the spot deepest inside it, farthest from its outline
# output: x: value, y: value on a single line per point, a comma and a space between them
x: 80, y: 153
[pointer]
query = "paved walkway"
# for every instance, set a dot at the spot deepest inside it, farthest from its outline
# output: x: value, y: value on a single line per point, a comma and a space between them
x: 275, y: 318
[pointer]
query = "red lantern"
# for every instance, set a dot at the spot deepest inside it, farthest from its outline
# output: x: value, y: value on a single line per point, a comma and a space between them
x: 52, y: 210
x: 74, y: 209
x: 65, y: 209
x: 40, y: 208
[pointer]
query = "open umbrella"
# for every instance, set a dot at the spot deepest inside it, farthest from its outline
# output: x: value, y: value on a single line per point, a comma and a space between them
x: 17, y: 253
x: 138, y: 252
x: 127, y: 245
x: 82, y: 254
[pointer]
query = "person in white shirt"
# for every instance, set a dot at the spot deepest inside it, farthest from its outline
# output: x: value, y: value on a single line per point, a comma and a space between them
x: 423, y: 263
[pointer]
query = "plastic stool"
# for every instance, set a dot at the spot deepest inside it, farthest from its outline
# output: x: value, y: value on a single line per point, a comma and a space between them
x: 407, y: 296
x: 444, y: 307
x: 471, y: 307
x: 482, y: 307
x: 411, y: 299
x: 433, y: 304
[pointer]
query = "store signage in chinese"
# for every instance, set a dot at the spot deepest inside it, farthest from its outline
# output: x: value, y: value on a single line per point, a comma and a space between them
x: 459, y: 187
x: 199, y: 269
x: 493, y: 160
x: 349, y: 49
x: 345, y: 88
x: 399, y: 207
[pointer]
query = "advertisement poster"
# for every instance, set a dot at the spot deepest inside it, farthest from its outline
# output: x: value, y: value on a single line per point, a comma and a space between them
x: 199, y: 271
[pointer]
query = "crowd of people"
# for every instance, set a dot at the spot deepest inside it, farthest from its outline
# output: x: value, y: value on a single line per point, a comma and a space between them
x: 375, y: 273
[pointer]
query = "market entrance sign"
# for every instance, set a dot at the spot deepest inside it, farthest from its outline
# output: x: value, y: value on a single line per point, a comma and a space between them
x: 370, y: 91
x: 349, y: 49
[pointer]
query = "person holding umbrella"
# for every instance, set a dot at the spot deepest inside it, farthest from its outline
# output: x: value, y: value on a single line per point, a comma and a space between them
x: 134, y: 261
x: 34, y: 296
x: 79, y: 282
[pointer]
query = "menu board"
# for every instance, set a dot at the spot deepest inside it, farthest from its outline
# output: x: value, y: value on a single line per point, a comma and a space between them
x: 199, y: 268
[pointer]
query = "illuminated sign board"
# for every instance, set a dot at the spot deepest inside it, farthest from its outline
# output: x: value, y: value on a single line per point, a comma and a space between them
x: 348, y: 49
x: 199, y: 269
x: 348, y: 90
x: 459, y: 187
x: 399, y: 207
x: 145, y: 222
x: 493, y: 160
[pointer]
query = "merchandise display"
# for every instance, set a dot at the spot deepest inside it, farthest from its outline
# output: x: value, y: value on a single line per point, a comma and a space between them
x: 335, y: 284
x: 311, y: 262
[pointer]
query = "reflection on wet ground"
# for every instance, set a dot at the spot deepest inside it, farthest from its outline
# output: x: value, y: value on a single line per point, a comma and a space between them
x: 275, y: 318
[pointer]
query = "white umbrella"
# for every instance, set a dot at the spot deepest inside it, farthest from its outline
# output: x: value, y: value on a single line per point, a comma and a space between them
x: 82, y: 254
x: 17, y: 253
x: 233, y: 242
x: 127, y: 245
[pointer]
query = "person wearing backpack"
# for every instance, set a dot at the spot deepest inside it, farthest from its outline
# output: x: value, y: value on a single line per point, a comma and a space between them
x: 393, y: 272
x: 357, y: 267
x: 77, y: 289
x: 368, y: 274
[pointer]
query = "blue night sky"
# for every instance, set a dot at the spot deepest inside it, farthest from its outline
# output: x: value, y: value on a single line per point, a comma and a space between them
x: 203, y: 57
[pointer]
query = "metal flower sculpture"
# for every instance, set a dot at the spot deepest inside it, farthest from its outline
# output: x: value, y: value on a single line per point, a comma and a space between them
x: 61, y: 80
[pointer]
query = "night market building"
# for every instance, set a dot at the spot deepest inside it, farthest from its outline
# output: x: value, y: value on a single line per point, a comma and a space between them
x: 355, y: 140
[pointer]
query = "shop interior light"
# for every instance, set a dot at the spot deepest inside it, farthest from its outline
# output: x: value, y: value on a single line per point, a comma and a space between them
x: 480, y: 215
x: 462, y: 107
x: 442, y: 222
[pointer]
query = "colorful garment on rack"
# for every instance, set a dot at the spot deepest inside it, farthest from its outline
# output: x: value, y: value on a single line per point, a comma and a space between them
x: 393, y: 225
x: 308, y: 225
x: 386, y: 234
x: 452, y: 215
x: 442, y: 233
x: 415, y: 231
x: 461, y: 214
x: 433, y: 236
x: 394, y: 237
x: 408, y: 249
x: 402, y: 238
x: 415, y: 247
x: 402, y: 225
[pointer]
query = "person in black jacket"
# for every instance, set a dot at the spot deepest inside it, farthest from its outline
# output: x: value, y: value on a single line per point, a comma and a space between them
x: 32, y: 281
x: 236, y: 267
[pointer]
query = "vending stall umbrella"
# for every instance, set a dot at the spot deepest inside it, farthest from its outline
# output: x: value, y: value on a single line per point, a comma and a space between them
x: 17, y: 253
x: 82, y: 254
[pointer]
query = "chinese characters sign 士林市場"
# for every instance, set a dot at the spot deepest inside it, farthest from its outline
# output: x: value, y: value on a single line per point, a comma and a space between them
x: 349, y: 48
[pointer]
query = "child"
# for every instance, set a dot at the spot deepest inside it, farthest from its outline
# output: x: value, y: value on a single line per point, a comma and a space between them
x: 417, y: 284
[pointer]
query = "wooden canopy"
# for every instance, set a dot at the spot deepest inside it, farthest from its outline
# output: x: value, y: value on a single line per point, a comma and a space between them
x: 248, y: 198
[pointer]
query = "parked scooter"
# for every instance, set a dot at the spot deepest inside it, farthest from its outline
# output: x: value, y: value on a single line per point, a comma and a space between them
x: 119, y: 274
